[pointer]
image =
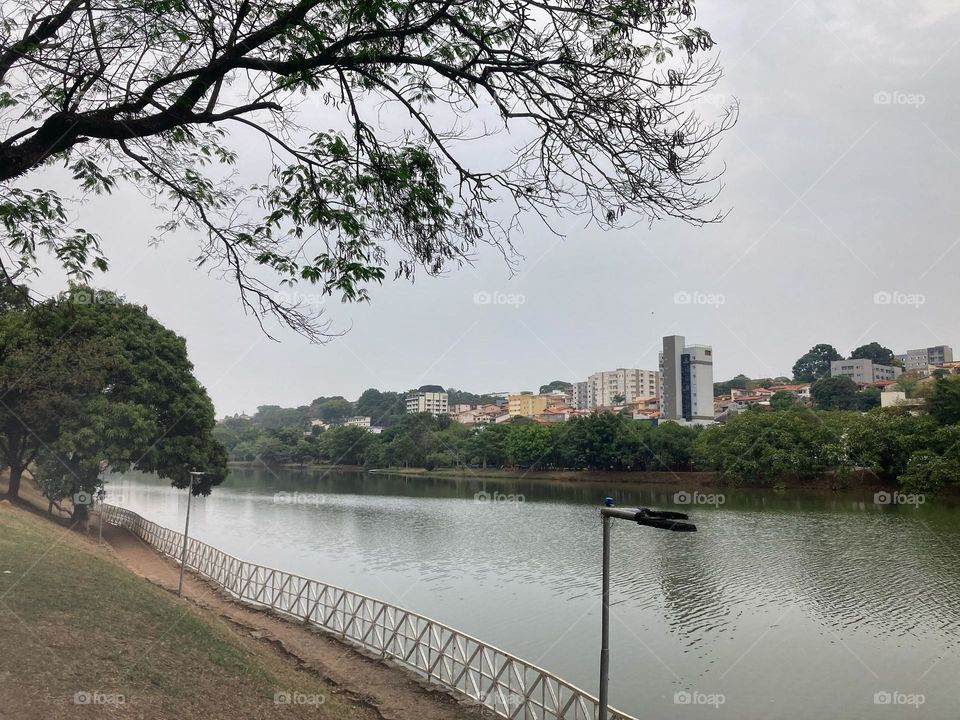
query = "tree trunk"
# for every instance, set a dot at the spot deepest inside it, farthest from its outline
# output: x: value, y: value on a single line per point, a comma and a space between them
x: 16, y: 473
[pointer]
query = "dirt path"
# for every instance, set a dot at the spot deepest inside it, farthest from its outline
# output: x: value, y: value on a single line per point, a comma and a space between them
x: 393, y: 692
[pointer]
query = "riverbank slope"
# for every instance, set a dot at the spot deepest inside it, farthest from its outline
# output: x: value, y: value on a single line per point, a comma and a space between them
x: 94, y: 631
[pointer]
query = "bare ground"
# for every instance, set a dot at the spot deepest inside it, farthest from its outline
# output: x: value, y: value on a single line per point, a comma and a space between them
x: 364, y: 688
x: 395, y: 693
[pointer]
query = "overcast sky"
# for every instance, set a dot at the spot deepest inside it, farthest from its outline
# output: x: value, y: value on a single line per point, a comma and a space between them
x: 843, y: 227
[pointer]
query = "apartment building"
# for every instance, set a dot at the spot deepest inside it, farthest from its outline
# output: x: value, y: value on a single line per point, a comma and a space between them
x: 431, y: 399
x: 864, y: 372
x: 577, y: 396
x: 686, y: 382
x: 529, y: 405
x: 922, y: 358
x: 620, y: 387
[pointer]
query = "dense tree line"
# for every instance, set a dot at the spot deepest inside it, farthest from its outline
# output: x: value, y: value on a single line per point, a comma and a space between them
x: 758, y: 446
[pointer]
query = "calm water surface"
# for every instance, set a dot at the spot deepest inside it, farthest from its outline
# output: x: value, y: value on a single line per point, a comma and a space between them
x: 792, y: 605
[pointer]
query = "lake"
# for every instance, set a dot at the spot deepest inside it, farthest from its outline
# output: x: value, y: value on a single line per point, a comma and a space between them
x: 792, y: 604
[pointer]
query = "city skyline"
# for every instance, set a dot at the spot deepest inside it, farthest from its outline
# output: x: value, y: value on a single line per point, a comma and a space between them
x: 797, y: 261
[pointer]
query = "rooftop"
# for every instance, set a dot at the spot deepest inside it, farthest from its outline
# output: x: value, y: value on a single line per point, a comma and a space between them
x: 431, y: 389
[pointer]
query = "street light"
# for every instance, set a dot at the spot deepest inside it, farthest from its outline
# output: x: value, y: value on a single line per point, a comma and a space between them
x: 662, y: 519
x: 186, y: 530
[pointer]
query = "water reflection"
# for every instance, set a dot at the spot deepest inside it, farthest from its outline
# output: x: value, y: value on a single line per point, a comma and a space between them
x: 789, y: 603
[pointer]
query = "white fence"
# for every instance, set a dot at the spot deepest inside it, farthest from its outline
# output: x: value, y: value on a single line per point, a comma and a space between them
x: 507, y: 685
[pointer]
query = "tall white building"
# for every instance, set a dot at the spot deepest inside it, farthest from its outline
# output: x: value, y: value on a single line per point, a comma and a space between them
x: 431, y: 399
x: 686, y: 382
x: 620, y: 386
x: 578, y: 396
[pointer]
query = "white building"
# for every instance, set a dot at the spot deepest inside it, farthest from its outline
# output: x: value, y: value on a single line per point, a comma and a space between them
x: 864, y: 372
x: 578, y: 396
x: 428, y: 399
x: 620, y: 387
x: 358, y: 421
x: 686, y: 382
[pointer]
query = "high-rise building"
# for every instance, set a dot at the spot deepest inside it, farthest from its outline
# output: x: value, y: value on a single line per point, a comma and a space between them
x: 432, y: 399
x: 577, y: 395
x: 620, y: 386
x: 686, y: 382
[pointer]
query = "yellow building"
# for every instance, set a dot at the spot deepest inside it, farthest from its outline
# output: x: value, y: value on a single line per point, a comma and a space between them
x: 527, y: 405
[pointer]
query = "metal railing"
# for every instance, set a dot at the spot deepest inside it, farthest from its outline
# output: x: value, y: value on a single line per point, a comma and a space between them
x: 510, y: 687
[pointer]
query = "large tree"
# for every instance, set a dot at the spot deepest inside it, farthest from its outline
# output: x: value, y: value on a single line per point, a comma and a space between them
x: 944, y: 403
x: 876, y: 352
x: 815, y: 363
x: 364, y: 109
x: 835, y: 393
x: 129, y: 398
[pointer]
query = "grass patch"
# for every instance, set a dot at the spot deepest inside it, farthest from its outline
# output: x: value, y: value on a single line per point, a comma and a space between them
x: 73, y: 620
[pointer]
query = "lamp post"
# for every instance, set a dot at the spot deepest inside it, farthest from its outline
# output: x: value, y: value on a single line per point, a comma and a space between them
x: 186, y: 530
x: 662, y: 519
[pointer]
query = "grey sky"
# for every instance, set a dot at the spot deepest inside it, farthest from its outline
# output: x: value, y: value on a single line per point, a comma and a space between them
x: 841, y: 183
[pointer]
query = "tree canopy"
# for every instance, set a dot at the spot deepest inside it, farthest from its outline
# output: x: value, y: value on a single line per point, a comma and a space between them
x: 944, y: 403
x: 372, y: 116
x: 815, y: 363
x: 834, y: 393
x: 89, y: 380
x: 876, y: 352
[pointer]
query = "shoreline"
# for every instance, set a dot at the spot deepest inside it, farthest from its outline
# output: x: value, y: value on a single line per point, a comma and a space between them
x: 861, y: 480
x: 858, y: 480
